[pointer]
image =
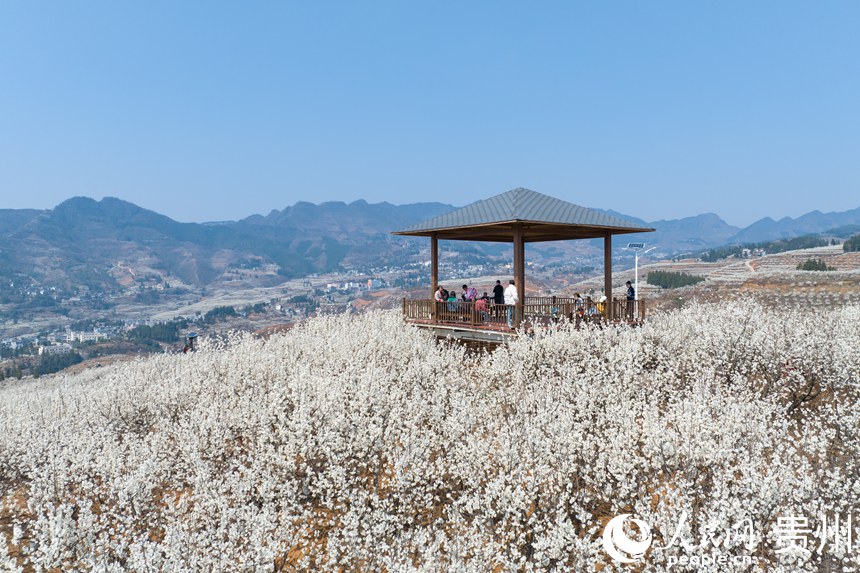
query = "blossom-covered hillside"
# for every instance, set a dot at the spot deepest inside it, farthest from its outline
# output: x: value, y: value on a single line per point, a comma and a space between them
x: 356, y: 443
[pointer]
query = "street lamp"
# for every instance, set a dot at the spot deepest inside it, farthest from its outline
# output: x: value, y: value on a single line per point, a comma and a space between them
x: 636, y: 247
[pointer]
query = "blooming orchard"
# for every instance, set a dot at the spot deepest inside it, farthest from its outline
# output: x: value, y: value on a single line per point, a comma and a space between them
x: 357, y: 443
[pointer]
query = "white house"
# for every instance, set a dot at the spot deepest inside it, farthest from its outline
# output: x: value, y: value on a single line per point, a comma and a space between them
x: 55, y: 349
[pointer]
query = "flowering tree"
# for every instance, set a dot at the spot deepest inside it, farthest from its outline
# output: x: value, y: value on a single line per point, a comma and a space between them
x: 357, y: 443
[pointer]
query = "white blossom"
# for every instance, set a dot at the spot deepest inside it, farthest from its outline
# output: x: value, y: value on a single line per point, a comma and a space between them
x: 358, y: 443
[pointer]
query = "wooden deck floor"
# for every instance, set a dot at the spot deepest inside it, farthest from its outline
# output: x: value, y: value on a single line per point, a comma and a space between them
x: 466, y: 332
x: 492, y: 334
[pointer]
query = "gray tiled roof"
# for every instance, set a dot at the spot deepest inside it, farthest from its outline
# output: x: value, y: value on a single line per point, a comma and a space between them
x: 523, y: 205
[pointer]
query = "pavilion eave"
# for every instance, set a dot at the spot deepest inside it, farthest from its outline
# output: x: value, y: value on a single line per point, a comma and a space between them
x: 533, y: 232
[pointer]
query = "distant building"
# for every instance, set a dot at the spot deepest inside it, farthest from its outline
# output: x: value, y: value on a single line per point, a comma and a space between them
x: 749, y: 253
x: 87, y: 336
x: 55, y: 349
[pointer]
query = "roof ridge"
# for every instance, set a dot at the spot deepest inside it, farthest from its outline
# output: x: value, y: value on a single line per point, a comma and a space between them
x: 516, y: 210
x: 518, y: 194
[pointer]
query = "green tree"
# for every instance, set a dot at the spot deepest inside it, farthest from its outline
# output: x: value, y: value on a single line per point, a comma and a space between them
x: 852, y: 244
x: 160, y: 331
x: 814, y: 265
x: 219, y: 313
x: 50, y: 363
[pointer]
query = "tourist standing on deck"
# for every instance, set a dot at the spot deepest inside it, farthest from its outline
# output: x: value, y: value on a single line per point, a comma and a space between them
x: 498, y: 299
x: 631, y: 297
x: 498, y: 293
x: 511, y: 299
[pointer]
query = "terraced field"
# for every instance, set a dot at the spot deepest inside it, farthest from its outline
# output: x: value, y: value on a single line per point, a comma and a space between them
x: 772, y: 280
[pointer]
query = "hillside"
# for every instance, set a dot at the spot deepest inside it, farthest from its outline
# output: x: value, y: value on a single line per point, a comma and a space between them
x: 355, y: 443
x: 107, y: 246
x: 772, y: 280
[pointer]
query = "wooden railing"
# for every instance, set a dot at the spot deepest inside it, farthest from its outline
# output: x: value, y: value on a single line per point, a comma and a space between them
x: 455, y: 312
x: 536, y: 310
x: 627, y: 310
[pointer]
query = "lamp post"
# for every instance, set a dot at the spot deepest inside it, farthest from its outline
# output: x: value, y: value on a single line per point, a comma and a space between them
x: 636, y: 247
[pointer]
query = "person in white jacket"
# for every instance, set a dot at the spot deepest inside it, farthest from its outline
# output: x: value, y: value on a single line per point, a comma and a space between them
x: 511, y: 299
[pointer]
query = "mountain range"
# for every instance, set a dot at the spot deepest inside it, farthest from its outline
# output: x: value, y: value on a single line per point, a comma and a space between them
x: 81, y: 240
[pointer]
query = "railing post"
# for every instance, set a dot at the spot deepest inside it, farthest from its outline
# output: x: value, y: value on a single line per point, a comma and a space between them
x: 434, y: 264
x: 607, y: 274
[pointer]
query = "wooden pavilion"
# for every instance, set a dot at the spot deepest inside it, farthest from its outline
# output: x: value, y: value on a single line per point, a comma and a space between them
x: 519, y: 216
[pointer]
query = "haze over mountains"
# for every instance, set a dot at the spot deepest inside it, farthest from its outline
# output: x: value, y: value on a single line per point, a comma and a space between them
x: 80, y: 240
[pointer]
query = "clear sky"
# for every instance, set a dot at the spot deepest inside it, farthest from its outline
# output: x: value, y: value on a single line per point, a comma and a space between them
x: 217, y: 110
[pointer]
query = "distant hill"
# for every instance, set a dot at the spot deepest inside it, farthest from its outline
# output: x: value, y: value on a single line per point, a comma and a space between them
x: 343, y: 221
x: 691, y: 233
x: 814, y: 222
x: 12, y: 219
x: 80, y: 239
x: 82, y: 242
x: 844, y: 232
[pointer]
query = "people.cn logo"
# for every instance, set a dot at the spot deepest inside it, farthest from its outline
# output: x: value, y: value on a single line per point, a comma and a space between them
x: 619, y: 546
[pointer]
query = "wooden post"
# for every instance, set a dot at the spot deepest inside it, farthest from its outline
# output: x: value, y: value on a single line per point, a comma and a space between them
x: 519, y: 272
x: 434, y: 264
x: 434, y: 272
x: 607, y: 274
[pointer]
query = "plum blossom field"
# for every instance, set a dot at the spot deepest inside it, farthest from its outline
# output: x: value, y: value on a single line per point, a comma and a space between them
x: 357, y: 443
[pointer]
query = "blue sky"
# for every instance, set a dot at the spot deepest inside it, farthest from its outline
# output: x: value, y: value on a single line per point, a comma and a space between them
x: 218, y: 110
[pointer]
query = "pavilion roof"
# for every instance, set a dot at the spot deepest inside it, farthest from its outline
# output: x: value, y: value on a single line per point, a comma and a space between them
x: 542, y: 218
